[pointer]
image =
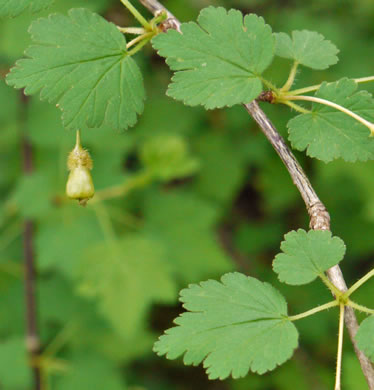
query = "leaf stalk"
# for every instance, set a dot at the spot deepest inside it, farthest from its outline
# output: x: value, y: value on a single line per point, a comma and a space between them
x: 325, y: 102
x: 132, y: 30
x: 340, y: 349
x: 291, y: 78
x: 137, y: 15
x: 358, y: 307
x: 359, y: 283
x: 314, y: 311
x: 313, y: 88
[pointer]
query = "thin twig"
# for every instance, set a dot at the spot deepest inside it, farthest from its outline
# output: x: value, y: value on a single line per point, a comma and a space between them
x: 319, y: 217
x: 32, y: 336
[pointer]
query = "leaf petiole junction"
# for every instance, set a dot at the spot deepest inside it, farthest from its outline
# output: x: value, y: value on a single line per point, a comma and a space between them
x: 359, y: 283
x: 313, y: 88
x: 314, y: 311
x: 137, y: 15
x: 338, y: 107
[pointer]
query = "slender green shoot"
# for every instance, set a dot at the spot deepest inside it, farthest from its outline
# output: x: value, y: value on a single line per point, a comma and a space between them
x: 161, y: 17
x: 314, y: 311
x: 137, y: 181
x: 330, y: 286
x: 340, y: 350
x: 359, y: 283
x: 145, y: 39
x: 269, y: 84
x: 314, y: 99
x: 132, y: 30
x: 358, y: 307
x: 139, y: 39
x: 137, y: 15
x: 60, y: 340
x: 291, y: 78
x: 295, y: 106
x: 313, y: 88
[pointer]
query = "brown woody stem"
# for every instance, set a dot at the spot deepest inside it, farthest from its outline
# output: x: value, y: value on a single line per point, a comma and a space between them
x: 32, y: 336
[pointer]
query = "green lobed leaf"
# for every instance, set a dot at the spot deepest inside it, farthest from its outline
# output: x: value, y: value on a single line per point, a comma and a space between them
x: 218, y: 62
x: 126, y: 277
x: 15, y: 7
x: 307, y: 255
x: 329, y: 134
x: 184, y: 223
x: 308, y: 48
x: 223, y: 165
x: 79, y: 228
x: 234, y: 326
x: 365, y: 337
x: 80, y: 62
x: 14, y: 38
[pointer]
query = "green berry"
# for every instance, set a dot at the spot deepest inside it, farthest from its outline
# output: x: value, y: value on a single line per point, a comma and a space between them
x: 79, y: 185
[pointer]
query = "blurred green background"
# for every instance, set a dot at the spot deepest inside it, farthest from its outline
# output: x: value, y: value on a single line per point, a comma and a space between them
x: 215, y: 198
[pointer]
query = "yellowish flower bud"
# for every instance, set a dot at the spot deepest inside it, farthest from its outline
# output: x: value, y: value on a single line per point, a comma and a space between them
x: 79, y: 185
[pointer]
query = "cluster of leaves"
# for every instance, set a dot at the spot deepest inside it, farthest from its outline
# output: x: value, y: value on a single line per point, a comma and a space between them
x: 92, y: 270
x: 219, y: 62
x: 242, y: 324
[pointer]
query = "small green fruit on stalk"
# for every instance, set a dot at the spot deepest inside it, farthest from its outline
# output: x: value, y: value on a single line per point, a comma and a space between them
x: 79, y: 185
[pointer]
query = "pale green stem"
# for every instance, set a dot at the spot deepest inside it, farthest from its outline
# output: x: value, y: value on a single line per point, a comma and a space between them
x: 295, y: 106
x: 314, y: 99
x: 364, y: 79
x: 132, y: 30
x: 127, y: 219
x: 331, y: 287
x: 142, y: 43
x: 340, y: 349
x: 291, y: 78
x: 269, y: 84
x: 359, y: 283
x: 139, y: 39
x: 358, y: 307
x: 159, y: 18
x: 78, y: 138
x: 313, y: 88
x: 314, y: 311
x: 111, y: 237
x: 106, y: 224
x: 137, y: 181
x: 137, y: 15
x: 60, y: 340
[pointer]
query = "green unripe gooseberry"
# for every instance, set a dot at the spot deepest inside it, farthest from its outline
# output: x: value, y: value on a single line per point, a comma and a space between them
x: 79, y: 185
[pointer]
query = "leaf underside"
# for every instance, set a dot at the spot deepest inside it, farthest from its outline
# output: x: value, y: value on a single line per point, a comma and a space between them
x: 233, y: 326
x: 219, y: 60
x: 81, y: 63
